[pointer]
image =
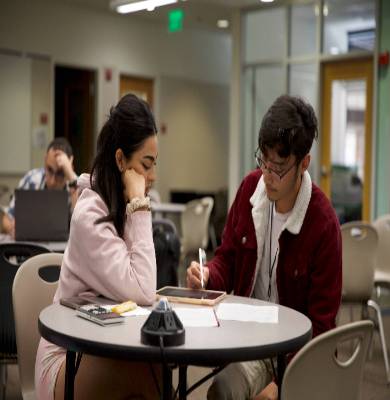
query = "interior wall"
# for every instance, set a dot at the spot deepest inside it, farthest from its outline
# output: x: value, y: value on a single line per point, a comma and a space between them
x: 383, y: 121
x: 70, y: 35
x: 193, y: 151
x: 41, y: 101
x: 15, y: 113
x: 73, y: 35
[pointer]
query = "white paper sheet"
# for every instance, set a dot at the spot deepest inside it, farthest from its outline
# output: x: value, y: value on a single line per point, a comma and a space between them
x: 136, y: 312
x: 133, y: 313
x: 247, y: 312
x: 197, y: 317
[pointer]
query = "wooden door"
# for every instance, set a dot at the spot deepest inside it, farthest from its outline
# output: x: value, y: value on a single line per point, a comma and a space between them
x: 141, y: 87
x: 75, y: 112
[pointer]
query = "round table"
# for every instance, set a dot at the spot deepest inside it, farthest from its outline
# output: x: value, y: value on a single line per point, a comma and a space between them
x: 232, y: 341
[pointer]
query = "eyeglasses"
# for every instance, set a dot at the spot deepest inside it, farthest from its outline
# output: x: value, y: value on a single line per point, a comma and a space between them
x: 58, y: 175
x: 263, y: 166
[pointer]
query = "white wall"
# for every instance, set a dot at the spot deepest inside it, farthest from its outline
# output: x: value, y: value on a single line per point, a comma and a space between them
x: 15, y: 113
x: 79, y: 37
x: 91, y: 38
x: 193, y: 152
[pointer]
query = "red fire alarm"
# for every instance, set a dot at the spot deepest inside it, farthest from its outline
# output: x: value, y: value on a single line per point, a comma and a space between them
x: 108, y: 74
x: 43, y: 118
x: 384, y: 58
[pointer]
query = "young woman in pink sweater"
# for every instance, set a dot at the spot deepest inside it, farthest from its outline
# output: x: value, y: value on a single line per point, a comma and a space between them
x: 110, y: 252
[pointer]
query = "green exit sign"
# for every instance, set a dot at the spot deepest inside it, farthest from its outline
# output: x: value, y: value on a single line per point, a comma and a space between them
x: 175, y: 18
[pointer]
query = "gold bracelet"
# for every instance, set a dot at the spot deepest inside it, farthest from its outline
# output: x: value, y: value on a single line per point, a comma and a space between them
x: 137, y: 203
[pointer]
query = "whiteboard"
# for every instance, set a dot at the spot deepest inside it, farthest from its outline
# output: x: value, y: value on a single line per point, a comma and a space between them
x: 15, y: 114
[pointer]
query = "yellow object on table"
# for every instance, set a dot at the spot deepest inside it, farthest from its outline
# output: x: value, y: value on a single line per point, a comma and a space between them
x: 124, y: 307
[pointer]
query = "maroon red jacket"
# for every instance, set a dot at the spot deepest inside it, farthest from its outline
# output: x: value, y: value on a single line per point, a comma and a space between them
x: 309, y: 271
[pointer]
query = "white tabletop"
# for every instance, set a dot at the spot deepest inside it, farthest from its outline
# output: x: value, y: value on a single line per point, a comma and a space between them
x: 232, y: 341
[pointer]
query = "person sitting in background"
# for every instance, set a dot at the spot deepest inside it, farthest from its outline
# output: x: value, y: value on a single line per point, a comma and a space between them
x: 57, y: 174
x: 111, y: 253
x: 281, y: 242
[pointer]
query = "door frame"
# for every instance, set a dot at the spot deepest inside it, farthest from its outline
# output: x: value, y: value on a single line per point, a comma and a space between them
x: 361, y: 68
x: 130, y: 84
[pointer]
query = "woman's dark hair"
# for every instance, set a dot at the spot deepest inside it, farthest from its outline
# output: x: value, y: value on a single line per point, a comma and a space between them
x: 129, y: 124
x: 289, y: 127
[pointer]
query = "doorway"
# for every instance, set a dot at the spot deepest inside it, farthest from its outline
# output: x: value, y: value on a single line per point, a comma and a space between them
x: 141, y: 87
x: 346, y: 137
x: 75, y: 112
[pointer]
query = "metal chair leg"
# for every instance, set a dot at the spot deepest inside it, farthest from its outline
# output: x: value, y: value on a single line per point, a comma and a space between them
x: 377, y: 309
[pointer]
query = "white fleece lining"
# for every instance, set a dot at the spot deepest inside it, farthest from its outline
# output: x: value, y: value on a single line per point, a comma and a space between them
x: 260, y: 215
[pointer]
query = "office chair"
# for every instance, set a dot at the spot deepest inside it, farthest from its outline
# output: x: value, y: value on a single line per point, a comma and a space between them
x: 360, y: 242
x: 12, y: 255
x: 167, y: 248
x: 317, y: 371
x: 33, y: 289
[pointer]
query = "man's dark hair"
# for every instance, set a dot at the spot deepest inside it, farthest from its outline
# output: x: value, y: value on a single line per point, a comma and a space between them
x: 61, y: 143
x: 289, y: 127
x: 130, y: 123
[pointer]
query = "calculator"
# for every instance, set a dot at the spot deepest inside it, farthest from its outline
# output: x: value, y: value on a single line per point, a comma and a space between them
x: 99, y: 315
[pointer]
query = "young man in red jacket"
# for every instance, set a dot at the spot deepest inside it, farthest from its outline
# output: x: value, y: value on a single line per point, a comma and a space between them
x: 281, y: 241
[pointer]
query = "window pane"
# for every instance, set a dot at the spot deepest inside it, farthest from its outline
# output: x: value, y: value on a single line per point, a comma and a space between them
x: 303, y: 30
x: 265, y: 35
x: 349, y: 25
x: 247, y: 140
x: 303, y: 82
x: 270, y: 84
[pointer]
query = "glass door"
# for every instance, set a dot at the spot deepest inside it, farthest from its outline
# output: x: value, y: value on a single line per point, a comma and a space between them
x: 346, y: 137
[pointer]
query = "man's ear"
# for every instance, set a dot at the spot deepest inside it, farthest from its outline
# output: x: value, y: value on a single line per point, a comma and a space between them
x: 120, y: 159
x: 71, y: 158
x: 305, y: 162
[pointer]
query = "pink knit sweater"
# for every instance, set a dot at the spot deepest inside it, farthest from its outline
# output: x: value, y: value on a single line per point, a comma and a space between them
x: 97, y: 261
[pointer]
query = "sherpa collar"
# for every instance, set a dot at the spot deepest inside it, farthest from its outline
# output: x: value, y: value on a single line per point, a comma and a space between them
x: 261, y: 205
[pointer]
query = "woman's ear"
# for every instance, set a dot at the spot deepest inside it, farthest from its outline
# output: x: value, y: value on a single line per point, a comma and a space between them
x: 120, y: 160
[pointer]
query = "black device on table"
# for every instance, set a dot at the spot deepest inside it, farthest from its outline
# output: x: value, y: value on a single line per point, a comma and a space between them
x: 99, y: 314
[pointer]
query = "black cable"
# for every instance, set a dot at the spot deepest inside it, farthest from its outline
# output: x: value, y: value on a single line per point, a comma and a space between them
x: 155, y: 379
x: 161, y: 342
x: 274, y: 371
x: 176, y: 392
x: 78, y: 360
x: 215, y: 371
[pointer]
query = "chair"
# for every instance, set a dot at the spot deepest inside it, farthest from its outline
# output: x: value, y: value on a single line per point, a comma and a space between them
x: 12, y: 255
x: 382, y: 267
x: 360, y: 241
x: 195, y: 221
x: 194, y: 224
x: 167, y: 248
x: 34, y: 286
x: 317, y: 372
